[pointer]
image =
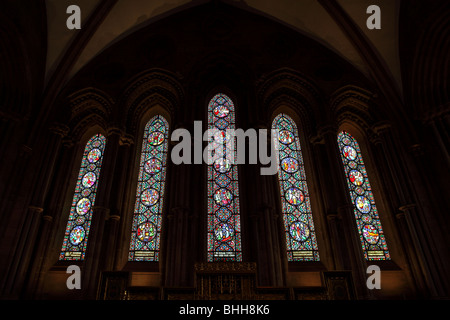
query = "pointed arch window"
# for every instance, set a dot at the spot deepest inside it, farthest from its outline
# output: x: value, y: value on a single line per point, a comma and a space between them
x: 301, y: 242
x: 368, y: 222
x: 147, y: 217
x: 79, y: 222
x: 224, y: 226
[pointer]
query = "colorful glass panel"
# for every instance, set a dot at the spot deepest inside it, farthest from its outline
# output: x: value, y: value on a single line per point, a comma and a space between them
x: 224, y: 230
x: 301, y: 242
x: 146, y: 225
x: 368, y: 222
x: 78, y: 225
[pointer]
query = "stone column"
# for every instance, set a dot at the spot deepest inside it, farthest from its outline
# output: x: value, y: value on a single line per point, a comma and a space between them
x: 417, y: 224
x: 413, y: 269
x: 107, y: 172
x: 334, y: 224
x: 44, y: 254
x: 111, y: 237
x: 267, y: 230
x: 181, y: 241
x: 335, y: 241
x: 36, y: 271
x: 271, y: 258
x: 90, y: 273
x: 47, y: 167
x: 178, y: 245
x: 27, y: 223
x: 116, y: 203
x: 19, y: 265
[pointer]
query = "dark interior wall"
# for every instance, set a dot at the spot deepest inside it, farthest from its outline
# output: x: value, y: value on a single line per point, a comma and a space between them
x: 174, y: 65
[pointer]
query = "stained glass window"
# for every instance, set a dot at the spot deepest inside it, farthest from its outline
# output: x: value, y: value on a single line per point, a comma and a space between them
x: 77, y: 230
x: 146, y: 225
x: 301, y: 242
x: 224, y: 227
x: 366, y: 214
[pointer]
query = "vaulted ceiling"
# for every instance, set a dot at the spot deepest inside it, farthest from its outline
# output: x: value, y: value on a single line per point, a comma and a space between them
x: 309, y: 17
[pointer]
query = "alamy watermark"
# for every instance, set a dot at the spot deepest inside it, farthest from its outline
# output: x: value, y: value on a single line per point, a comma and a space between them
x: 227, y: 147
x: 374, y: 280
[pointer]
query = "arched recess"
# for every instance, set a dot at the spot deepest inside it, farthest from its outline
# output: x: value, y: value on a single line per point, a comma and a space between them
x: 356, y: 104
x: 223, y: 71
x: 86, y: 108
x: 86, y: 114
x: 84, y: 197
x: 149, y: 88
x: 356, y: 114
x: 310, y: 182
x: 145, y: 243
x: 301, y: 240
x: 286, y: 91
x: 150, y: 96
x: 288, y: 87
x: 223, y: 221
x: 379, y: 207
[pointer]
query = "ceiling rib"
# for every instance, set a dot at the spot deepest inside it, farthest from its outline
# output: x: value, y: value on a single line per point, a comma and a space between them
x: 59, y: 77
x: 383, y: 78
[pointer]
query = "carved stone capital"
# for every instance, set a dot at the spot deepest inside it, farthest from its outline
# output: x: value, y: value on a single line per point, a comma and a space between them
x: 316, y: 140
x: 126, y: 140
x: 400, y: 215
x: 36, y: 210
x: 381, y: 127
x: 407, y: 207
x: 328, y: 129
x: 68, y: 143
x: 375, y: 139
x: 59, y: 129
x: 114, y: 217
x: 113, y: 131
x: 47, y: 218
x: 355, y: 97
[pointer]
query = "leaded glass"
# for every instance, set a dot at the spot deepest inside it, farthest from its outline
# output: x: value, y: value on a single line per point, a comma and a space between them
x: 301, y: 242
x: 224, y: 229
x: 368, y: 222
x: 146, y: 225
x: 78, y: 225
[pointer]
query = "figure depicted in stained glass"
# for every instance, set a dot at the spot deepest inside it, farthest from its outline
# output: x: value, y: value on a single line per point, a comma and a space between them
x: 368, y: 222
x: 300, y: 234
x: 146, y: 225
x: 78, y: 225
x: 224, y: 230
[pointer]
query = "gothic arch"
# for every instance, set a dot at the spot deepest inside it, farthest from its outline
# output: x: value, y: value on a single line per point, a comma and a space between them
x: 310, y: 168
x: 88, y: 107
x: 387, y: 217
x: 150, y: 88
x: 288, y: 87
x: 351, y: 103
